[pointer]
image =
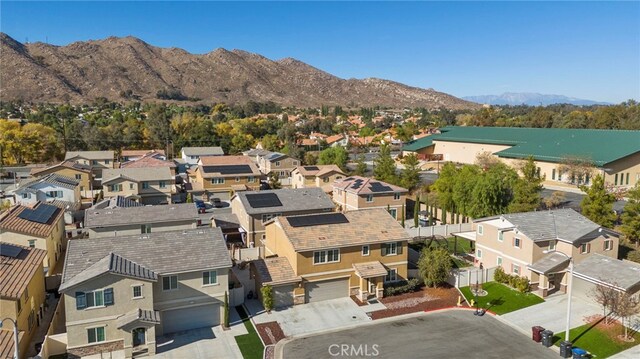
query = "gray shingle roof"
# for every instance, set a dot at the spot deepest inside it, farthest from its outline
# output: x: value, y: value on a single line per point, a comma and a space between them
x: 159, y: 253
x: 550, y: 263
x: 54, y: 179
x: 203, y: 151
x: 90, y: 155
x: 292, y: 199
x: 621, y: 274
x: 109, y: 217
x: 147, y: 316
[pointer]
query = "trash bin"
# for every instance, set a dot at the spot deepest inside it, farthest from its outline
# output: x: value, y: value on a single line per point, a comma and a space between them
x: 547, y: 338
x: 579, y: 353
x: 565, y: 349
x: 536, y: 333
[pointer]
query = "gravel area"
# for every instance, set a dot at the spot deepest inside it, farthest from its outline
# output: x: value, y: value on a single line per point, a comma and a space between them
x: 270, y: 332
x: 422, y: 300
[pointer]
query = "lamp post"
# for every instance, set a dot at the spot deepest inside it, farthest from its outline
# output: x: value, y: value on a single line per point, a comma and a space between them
x: 569, y: 286
x: 15, y: 335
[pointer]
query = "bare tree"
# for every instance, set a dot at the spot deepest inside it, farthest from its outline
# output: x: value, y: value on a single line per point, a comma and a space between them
x: 555, y: 200
x: 576, y: 168
x: 605, y: 296
x: 626, y: 306
x: 486, y: 160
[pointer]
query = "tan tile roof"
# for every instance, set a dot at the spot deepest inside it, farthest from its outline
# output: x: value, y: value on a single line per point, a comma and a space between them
x: 334, y: 138
x: 364, y: 226
x: 17, y: 272
x: 308, y: 142
x: 133, y: 153
x: 322, y: 170
x: 90, y: 155
x: 9, y: 221
x: 66, y: 164
x: 348, y: 184
x: 275, y: 270
x: 6, y: 341
x: 370, y: 269
x: 148, y: 162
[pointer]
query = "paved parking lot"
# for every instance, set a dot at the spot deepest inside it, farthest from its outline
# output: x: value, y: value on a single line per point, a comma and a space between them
x: 450, y: 334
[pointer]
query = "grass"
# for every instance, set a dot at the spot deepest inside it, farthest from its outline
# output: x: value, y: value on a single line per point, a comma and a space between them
x: 250, y: 344
x: 599, y: 340
x: 501, y: 299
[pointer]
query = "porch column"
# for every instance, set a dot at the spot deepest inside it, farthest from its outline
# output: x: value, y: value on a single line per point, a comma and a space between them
x: 544, y: 285
x: 128, y: 343
x: 151, y: 340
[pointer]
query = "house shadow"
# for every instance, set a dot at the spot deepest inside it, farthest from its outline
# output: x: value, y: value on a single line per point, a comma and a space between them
x: 175, y: 340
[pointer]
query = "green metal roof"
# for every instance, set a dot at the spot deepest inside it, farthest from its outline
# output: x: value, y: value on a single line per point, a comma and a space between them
x: 544, y: 144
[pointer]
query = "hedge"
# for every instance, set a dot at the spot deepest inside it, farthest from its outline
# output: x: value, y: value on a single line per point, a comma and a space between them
x: 405, y: 286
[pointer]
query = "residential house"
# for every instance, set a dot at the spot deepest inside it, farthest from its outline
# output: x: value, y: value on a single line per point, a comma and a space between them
x: 554, y: 150
x: 121, y: 221
x: 120, y: 293
x: 224, y: 175
x: 154, y: 185
x: 40, y: 226
x: 337, y: 140
x: 77, y: 171
x: 538, y: 245
x: 355, y: 192
x: 279, y: 163
x: 191, y: 155
x: 598, y: 270
x: 97, y: 160
x: 317, y: 257
x: 22, y: 295
x: 63, y: 192
x: 150, y: 161
x: 134, y: 155
x: 321, y: 176
x: 115, y: 202
x: 255, y: 209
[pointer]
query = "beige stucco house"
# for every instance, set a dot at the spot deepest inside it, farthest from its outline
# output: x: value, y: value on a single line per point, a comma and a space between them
x: 96, y: 160
x: 153, y: 185
x: 275, y: 162
x: 77, y: 171
x: 120, y: 293
x: 355, y: 192
x: 321, y: 176
x: 224, y: 174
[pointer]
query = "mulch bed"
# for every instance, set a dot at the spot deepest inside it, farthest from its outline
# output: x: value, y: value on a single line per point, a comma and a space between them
x: 270, y: 332
x: 357, y: 301
x: 423, y: 300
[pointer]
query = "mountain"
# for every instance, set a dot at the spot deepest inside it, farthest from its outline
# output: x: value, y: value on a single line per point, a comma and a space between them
x: 112, y: 67
x: 531, y: 99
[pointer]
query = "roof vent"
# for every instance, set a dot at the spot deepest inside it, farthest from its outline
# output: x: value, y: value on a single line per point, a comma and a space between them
x: 384, y: 231
x: 322, y: 238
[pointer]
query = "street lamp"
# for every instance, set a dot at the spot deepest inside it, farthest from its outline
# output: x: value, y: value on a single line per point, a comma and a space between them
x: 15, y: 334
x: 569, y: 285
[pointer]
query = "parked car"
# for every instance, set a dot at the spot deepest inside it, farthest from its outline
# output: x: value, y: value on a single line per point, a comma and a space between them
x: 216, y: 202
x: 202, y: 208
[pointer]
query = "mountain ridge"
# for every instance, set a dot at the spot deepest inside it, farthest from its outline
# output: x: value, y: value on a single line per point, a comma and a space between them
x: 531, y: 99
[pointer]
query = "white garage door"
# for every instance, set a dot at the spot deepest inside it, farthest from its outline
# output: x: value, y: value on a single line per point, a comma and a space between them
x: 328, y: 289
x: 283, y: 296
x: 583, y: 289
x: 190, y: 318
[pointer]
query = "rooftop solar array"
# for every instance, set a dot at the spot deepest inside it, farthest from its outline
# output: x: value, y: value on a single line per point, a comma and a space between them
x: 41, y: 214
x: 7, y: 250
x: 317, y: 219
x: 227, y: 169
x: 263, y: 200
x: 311, y: 168
x: 379, y: 187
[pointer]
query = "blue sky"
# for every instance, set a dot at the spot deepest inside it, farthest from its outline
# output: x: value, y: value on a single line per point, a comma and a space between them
x: 582, y: 49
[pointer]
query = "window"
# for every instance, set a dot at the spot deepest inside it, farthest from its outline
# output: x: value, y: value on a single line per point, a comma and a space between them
x: 615, y: 183
x: 479, y: 253
x: 515, y: 269
x: 277, y: 163
x: 328, y: 256
x: 480, y: 229
x: 32, y: 243
x: 209, y: 278
x: 115, y: 188
x: 251, y: 179
x: 163, y: 184
x: 552, y: 245
x: 19, y: 302
x: 106, y: 162
x: 95, y: 335
x: 396, y: 196
x: 370, y: 198
x: 517, y: 242
x: 391, y: 249
x: 145, y: 185
x: 499, y: 261
x: 130, y: 185
x: 392, y: 276
x: 32, y: 319
x: 137, y: 291
x: 98, y: 298
x: 237, y: 179
x: 627, y: 182
x: 54, y: 194
x: 365, y: 250
x: 95, y: 299
x: 295, y: 163
x: 170, y: 282
x: 145, y: 228
x: 325, y: 180
x: 586, y: 179
x: 78, y: 177
x: 94, y: 162
x: 393, y: 212
x: 585, y: 248
x: 217, y: 181
x: 553, y: 174
x: 608, y: 245
x: 500, y: 236
x: 270, y: 216
x: 25, y: 196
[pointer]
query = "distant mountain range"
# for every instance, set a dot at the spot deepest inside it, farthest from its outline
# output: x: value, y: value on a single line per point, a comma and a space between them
x: 531, y: 99
x: 120, y: 68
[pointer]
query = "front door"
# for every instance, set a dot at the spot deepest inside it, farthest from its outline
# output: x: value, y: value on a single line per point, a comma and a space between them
x: 372, y: 288
x: 138, y: 337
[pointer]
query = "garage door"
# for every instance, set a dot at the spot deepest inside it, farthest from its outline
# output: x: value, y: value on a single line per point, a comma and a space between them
x: 283, y: 296
x: 583, y: 289
x: 328, y: 289
x: 190, y: 318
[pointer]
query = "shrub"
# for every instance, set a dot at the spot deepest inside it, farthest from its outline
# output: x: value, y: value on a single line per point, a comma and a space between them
x: 522, y: 284
x: 226, y: 310
x: 500, y: 276
x: 267, y: 297
x: 405, y: 286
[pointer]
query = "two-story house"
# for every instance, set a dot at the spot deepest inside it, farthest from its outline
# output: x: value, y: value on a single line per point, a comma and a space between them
x: 40, y: 226
x: 63, y: 192
x: 254, y: 209
x: 224, y: 174
x: 321, y: 176
x: 122, y: 292
x: 191, y: 155
x: 121, y: 221
x: 153, y: 185
x: 332, y: 255
x: 77, y: 171
x: 22, y: 294
x: 355, y: 192
x: 150, y: 161
x: 275, y: 162
x: 538, y: 245
x: 97, y: 160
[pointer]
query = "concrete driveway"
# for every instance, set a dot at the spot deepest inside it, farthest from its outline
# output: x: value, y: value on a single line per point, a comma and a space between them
x: 447, y: 334
x: 311, y: 317
x: 552, y: 314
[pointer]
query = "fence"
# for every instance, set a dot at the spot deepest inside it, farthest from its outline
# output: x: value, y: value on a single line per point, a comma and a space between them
x: 55, y: 343
x: 466, y: 277
x: 236, y: 296
x: 245, y: 254
x: 443, y: 230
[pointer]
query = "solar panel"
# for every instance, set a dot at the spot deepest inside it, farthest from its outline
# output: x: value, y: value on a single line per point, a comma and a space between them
x: 348, y: 179
x: 356, y: 185
x: 311, y: 168
x: 263, y: 200
x: 379, y: 187
x: 317, y: 219
x: 42, y: 213
x: 7, y: 250
x: 228, y: 169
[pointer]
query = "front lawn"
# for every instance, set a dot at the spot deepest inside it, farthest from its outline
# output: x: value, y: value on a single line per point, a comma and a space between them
x: 598, y: 338
x: 250, y: 344
x: 501, y: 299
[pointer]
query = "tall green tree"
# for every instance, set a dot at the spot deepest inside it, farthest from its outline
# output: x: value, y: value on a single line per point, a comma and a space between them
x: 434, y: 266
x: 385, y: 167
x: 445, y: 185
x: 274, y: 180
x: 410, y: 175
x: 416, y: 212
x: 493, y: 191
x: 597, y: 205
x: 361, y: 166
x: 631, y: 216
x: 462, y: 187
x: 334, y: 156
x: 527, y: 189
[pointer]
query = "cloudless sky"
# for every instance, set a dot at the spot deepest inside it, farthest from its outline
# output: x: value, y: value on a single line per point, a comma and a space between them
x: 588, y: 50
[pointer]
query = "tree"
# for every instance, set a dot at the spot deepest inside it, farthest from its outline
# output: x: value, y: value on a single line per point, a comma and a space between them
x: 334, y: 156
x: 434, y: 266
x: 385, y: 167
x: 445, y: 184
x: 267, y: 297
x: 310, y: 159
x: 631, y: 216
x: 575, y: 169
x: 597, y: 205
x: 403, y: 215
x: 493, y: 192
x: 486, y: 160
x: 626, y: 306
x: 410, y: 176
x: 274, y: 180
x: 226, y: 309
x: 189, y: 198
x: 555, y: 200
x: 270, y: 142
x: 361, y: 166
x: 606, y: 297
x: 526, y: 192
x: 416, y: 212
